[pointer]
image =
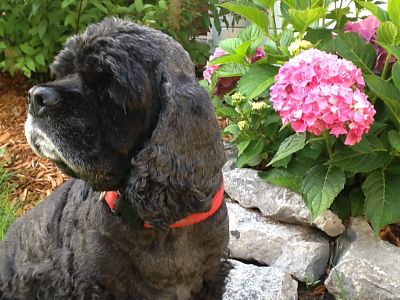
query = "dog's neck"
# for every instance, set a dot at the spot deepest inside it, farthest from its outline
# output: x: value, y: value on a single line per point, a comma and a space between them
x: 120, y: 207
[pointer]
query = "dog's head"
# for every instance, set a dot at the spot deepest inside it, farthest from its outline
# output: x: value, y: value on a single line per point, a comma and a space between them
x: 115, y: 86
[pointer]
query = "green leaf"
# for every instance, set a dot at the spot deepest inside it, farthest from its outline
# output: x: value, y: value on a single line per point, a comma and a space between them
x: 283, y: 177
x: 394, y: 139
x: 394, y: 50
x: 250, y: 33
x: 27, y: 49
x: 242, y: 146
x: 301, y: 19
x: 70, y: 19
x: 228, y: 59
x: 3, y: 45
x: 258, y: 79
x: 242, y: 49
x: 39, y: 58
x: 357, y: 202
x: 320, y: 186
x: 42, y: 27
x: 393, y: 10
x: 319, y: 37
x: 356, y: 162
x: 253, y: 34
x: 382, y: 205
x: 251, y: 13
x: 352, y: 47
x: 251, y: 155
x: 375, y: 10
x: 386, y: 33
x: 30, y: 63
x: 230, y: 45
x: 396, y: 74
x: 226, y: 112
x: 99, y: 6
x: 232, y: 129
x: 265, y: 3
x: 232, y: 70
x: 289, y: 146
x: 389, y: 95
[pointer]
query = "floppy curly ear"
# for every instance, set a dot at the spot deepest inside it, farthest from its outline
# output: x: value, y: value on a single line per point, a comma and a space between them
x: 179, y: 170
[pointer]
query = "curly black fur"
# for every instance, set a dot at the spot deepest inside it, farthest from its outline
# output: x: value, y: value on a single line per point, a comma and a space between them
x: 127, y: 115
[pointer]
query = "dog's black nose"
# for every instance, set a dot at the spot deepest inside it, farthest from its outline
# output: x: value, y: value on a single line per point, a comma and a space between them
x: 40, y: 98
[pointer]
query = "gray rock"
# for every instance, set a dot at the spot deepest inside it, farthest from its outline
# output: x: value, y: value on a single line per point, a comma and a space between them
x: 329, y: 223
x: 230, y: 156
x: 249, y: 282
x: 366, y: 267
x: 302, y: 251
x: 247, y: 188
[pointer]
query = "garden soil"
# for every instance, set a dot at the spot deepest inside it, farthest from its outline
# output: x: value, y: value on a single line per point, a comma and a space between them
x: 33, y: 178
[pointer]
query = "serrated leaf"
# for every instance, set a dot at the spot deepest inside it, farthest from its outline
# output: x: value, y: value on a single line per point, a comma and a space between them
x: 70, y: 19
x: 393, y: 10
x: 290, y: 145
x: 287, y: 37
x: 394, y: 139
x: 320, y: 186
x: 386, y: 33
x: 258, y: 79
x: 251, y: 156
x: 352, y: 47
x: 251, y: 13
x: 227, y: 59
x: 229, y: 45
x: 382, y: 205
x: 388, y: 93
x: 283, y: 177
x: 319, y: 37
x: 251, y: 32
x: 232, y: 70
x: 396, y: 74
x: 357, y: 201
x: 242, y: 49
x: 27, y: 49
x: 375, y: 10
x: 357, y: 162
x: 301, y: 19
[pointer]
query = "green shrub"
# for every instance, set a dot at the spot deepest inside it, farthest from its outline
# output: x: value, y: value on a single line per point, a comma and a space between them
x: 352, y: 178
x: 33, y: 31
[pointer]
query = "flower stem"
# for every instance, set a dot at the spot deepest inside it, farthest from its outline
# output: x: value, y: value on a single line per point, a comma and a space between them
x: 274, y: 26
x: 385, y: 67
x: 328, y: 144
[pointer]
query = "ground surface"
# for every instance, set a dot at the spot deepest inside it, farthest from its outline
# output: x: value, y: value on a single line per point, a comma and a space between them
x: 33, y: 177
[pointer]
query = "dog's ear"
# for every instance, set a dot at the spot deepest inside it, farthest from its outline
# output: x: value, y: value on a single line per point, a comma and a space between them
x: 179, y: 169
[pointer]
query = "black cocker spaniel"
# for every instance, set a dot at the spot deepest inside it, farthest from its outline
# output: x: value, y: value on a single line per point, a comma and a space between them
x: 126, y: 115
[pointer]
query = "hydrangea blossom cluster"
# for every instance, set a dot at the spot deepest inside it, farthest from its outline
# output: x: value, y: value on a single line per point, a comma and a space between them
x: 316, y: 91
x: 226, y: 84
x: 366, y: 29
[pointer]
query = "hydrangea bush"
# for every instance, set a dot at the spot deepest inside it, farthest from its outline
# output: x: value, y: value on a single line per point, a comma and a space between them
x: 316, y: 105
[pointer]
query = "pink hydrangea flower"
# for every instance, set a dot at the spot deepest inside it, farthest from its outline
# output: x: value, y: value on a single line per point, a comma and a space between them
x: 316, y: 91
x: 225, y: 84
x: 366, y: 29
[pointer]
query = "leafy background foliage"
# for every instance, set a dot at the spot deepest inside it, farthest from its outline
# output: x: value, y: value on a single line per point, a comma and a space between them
x: 359, y: 180
x: 33, y: 31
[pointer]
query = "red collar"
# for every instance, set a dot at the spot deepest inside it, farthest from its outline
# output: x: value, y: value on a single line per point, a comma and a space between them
x: 112, y: 198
